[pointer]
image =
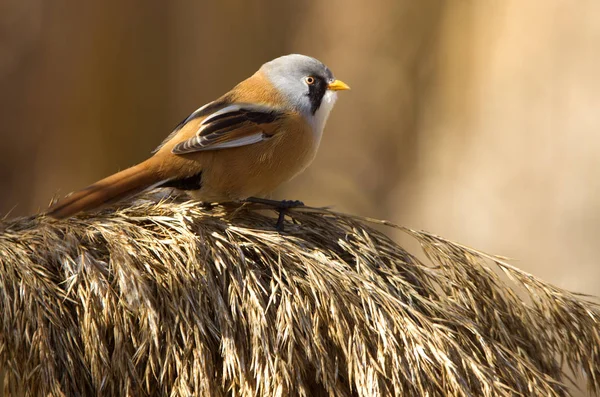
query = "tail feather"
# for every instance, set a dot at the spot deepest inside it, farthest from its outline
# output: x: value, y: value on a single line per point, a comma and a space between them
x: 113, y: 188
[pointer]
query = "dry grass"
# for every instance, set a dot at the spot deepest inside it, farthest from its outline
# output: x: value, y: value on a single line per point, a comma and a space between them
x: 174, y: 299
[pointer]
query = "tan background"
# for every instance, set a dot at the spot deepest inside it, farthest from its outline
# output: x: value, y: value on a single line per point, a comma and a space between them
x: 479, y: 121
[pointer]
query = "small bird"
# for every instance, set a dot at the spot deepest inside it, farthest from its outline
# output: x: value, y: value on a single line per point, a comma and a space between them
x: 263, y: 132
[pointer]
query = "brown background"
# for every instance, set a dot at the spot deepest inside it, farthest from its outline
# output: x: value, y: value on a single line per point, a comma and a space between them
x: 479, y: 121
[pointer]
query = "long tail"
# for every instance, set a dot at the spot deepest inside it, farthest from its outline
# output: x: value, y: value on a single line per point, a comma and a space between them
x: 113, y: 188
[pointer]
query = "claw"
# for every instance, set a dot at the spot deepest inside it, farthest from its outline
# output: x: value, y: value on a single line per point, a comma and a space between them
x: 282, y: 207
x: 290, y: 204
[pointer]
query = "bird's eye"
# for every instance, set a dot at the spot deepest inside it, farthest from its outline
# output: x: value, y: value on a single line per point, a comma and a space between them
x: 310, y: 80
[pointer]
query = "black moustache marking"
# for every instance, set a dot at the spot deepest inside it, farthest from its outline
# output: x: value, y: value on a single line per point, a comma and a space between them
x: 316, y: 92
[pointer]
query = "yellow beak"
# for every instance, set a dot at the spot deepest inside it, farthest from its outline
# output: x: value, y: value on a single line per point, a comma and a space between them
x: 338, y: 85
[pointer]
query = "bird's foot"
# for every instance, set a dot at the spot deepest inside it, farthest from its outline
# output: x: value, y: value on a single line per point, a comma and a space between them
x: 282, y: 207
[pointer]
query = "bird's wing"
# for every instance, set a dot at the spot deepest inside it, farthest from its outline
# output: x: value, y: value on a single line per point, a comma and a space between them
x: 234, y: 125
x: 204, y: 111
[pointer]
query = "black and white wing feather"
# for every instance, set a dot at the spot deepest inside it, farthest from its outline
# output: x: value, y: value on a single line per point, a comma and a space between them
x: 234, y: 125
x: 201, y: 112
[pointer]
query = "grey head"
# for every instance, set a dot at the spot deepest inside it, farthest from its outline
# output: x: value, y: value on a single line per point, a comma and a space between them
x: 307, y: 84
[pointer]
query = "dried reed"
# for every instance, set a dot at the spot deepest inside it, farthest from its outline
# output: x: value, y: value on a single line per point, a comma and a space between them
x: 171, y: 298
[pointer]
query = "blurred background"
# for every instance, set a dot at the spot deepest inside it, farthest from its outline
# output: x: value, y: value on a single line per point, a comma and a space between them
x: 478, y: 121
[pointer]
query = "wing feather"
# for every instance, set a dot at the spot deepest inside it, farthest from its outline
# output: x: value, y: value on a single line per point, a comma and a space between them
x: 235, y: 125
x: 203, y: 111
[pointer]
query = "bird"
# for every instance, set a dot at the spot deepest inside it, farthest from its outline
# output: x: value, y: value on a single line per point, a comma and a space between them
x: 241, y: 146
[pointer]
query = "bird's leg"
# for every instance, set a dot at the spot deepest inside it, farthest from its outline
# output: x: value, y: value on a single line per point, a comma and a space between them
x: 282, y: 206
